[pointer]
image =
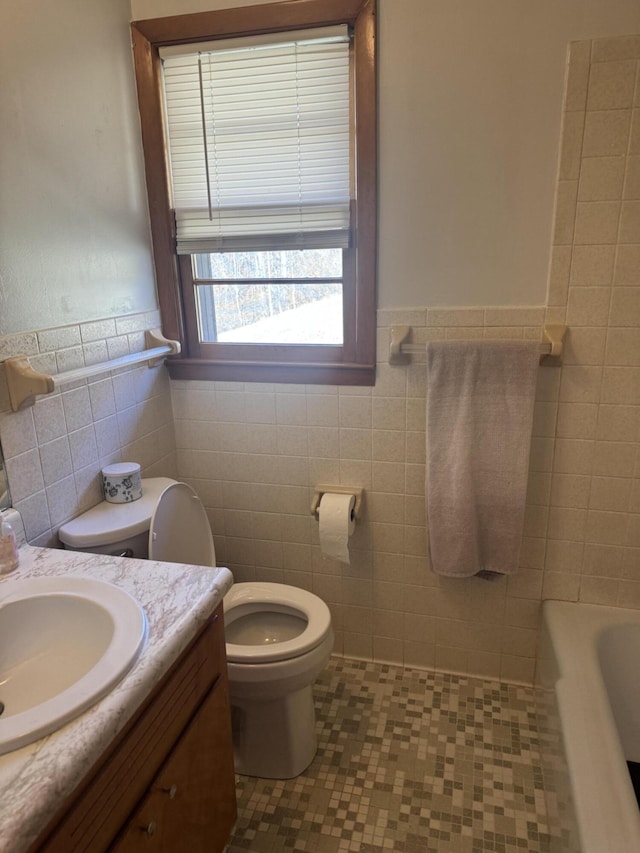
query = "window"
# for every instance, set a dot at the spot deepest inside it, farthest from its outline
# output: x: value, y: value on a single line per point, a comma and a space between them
x: 259, y: 137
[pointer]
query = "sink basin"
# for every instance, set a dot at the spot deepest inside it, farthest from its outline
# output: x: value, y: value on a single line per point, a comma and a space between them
x: 64, y: 643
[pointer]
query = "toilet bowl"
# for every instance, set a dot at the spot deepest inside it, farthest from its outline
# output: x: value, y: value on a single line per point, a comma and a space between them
x: 278, y: 637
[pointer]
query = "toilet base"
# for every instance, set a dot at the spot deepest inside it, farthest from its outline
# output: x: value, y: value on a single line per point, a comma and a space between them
x: 274, y: 738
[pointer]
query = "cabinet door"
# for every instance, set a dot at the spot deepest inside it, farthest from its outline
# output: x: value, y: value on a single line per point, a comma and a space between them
x: 191, y: 804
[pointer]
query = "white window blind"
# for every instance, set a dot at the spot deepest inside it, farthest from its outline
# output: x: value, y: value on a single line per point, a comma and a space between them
x: 259, y: 142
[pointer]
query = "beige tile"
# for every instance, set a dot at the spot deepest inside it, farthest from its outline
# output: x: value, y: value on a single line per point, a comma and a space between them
x: 517, y: 669
x: 601, y: 179
x: 580, y: 51
x: 391, y: 381
x: 632, y: 178
x: 535, y: 521
x: 355, y: 412
x: 570, y: 490
x: 592, y: 266
x: 580, y: 384
x: 565, y: 213
x: 548, y: 383
x: 525, y: 583
x: 603, y: 560
x: 560, y: 587
x: 415, y: 447
x: 25, y: 475
x: 564, y: 555
x: 389, y: 445
x: 532, y: 553
x: 577, y: 420
x: 611, y: 85
x: 355, y: 472
x: 631, y: 564
x: 610, y: 493
x: 559, y: 275
x: 607, y: 528
x: 597, y: 222
x: 629, y: 594
x: 355, y: 444
x: 464, y: 333
x: 634, y: 138
x: 573, y: 456
x: 541, y: 455
x: 599, y: 590
x: 627, y: 268
x: 389, y: 477
x: 389, y: 413
x: 553, y: 314
x: 571, y: 146
x: 588, y: 306
x: 419, y: 655
x: 623, y: 347
x: 630, y: 222
x: 567, y: 523
x: 618, y: 423
x: 614, y: 458
x: 619, y: 47
x: 586, y: 344
x: 621, y: 386
x: 511, y: 316
x: 452, y: 660
x: 455, y: 316
x: 291, y: 409
x: 322, y: 410
x: 575, y: 97
x: 544, y: 419
x: 415, y: 413
x: 625, y: 306
x: 633, y: 531
x: 606, y: 133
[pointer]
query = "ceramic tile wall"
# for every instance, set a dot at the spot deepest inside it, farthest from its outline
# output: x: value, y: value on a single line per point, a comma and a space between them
x: 55, y: 449
x: 593, y: 547
x: 254, y: 452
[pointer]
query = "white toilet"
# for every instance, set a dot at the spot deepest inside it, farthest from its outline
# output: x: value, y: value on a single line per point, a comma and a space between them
x: 279, y: 638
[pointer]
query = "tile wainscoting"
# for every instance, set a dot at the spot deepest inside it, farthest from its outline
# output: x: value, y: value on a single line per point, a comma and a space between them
x: 54, y: 450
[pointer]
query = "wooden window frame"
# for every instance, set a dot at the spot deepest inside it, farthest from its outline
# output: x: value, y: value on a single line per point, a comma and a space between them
x: 354, y: 362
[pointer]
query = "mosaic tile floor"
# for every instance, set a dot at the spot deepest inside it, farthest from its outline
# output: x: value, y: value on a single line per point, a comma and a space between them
x: 408, y: 761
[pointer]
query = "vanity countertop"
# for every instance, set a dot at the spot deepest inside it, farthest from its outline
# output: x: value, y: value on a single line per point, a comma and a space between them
x: 37, y: 779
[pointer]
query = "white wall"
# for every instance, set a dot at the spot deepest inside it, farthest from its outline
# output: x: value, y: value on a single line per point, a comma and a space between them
x: 74, y: 234
x: 470, y: 105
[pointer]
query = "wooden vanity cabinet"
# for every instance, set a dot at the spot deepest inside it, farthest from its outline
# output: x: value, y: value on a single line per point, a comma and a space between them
x: 167, y: 783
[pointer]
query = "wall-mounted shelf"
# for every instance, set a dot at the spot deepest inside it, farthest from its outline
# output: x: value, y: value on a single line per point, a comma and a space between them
x: 400, y: 350
x: 25, y: 383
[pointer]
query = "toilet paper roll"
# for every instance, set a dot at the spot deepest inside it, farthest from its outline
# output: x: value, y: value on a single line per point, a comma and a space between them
x: 337, y: 523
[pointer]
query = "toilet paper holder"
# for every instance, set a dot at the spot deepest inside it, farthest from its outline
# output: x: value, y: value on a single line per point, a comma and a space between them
x: 337, y: 490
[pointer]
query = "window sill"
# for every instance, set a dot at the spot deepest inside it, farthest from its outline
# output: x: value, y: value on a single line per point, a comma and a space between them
x: 247, y: 371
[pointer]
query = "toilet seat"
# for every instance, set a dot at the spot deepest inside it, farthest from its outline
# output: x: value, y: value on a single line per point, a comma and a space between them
x: 245, y: 598
x: 179, y: 531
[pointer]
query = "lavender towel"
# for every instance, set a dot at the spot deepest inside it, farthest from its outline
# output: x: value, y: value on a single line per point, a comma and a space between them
x: 480, y: 400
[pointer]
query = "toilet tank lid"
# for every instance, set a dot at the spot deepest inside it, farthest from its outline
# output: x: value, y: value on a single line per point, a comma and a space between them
x: 107, y: 523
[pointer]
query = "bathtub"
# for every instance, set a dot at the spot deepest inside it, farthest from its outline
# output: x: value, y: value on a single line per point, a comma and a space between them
x: 588, y: 679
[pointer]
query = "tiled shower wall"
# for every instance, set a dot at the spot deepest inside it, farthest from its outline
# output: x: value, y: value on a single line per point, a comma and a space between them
x: 254, y: 452
x: 54, y: 450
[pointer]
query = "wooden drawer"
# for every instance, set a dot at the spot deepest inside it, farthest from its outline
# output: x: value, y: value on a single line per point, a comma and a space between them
x: 91, y: 819
x: 191, y: 804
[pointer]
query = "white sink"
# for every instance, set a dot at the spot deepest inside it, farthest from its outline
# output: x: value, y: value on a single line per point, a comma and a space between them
x: 64, y: 643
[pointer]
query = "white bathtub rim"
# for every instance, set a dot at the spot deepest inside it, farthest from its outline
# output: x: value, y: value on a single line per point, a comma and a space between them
x: 606, y: 809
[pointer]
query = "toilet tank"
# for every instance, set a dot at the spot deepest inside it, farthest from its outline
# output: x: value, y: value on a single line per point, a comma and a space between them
x: 116, y: 529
